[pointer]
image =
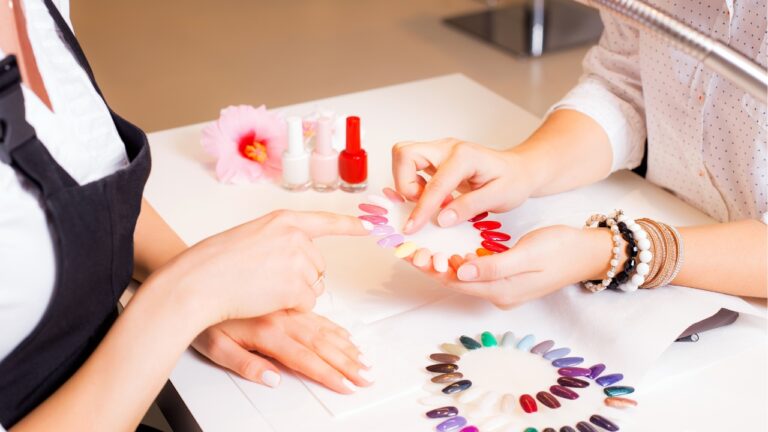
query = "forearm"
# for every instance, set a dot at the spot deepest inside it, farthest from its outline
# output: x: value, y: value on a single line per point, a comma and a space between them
x: 118, y: 382
x: 567, y: 151
x: 155, y: 243
x: 730, y: 258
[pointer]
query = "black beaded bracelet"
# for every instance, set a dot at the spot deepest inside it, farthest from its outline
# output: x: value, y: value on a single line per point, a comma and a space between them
x: 631, y: 263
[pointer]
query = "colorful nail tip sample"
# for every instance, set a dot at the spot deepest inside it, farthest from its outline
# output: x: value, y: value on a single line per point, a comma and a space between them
x: 458, y: 386
x: 488, y: 339
x: 481, y: 252
x: 567, y: 429
x: 572, y: 382
x: 508, y: 403
x: 479, y: 217
x: 376, y: 220
x: 444, y: 358
x: 442, y: 412
x: 567, y: 361
x: 563, y: 392
x: 393, y: 195
x: 494, y: 246
x: 405, y: 250
x: 548, y: 400
x: 391, y: 241
x: 470, y: 429
x: 372, y: 209
x: 618, y: 390
x: 526, y: 342
x: 603, y: 422
x: 557, y: 353
x: 596, y: 370
x: 452, y: 348
x: 548, y: 430
x: 487, y: 225
x: 528, y: 404
x: 620, y: 402
x: 452, y: 424
x: 443, y: 368
x: 585, y: 427
x: 440, y: 262
x: 470, y: 343
x: 447, y: 378
x: 508, y: 340
x: 607, y: 380
x: 382, y: 230
x: 543, y: 347
x: 573, y: 372
x: 530, y: 429
x: 495, y: 235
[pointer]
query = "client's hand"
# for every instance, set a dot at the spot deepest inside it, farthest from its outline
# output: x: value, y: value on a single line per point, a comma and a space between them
x: 305, y: 342
x: 541, y: 262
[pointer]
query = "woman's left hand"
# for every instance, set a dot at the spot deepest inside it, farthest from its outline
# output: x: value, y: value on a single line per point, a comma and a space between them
x: 303, y: 341
x: 541, y: 262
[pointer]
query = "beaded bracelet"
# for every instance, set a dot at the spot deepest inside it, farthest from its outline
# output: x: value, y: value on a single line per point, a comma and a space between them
x: 668, y: 247
x: 597, y: 286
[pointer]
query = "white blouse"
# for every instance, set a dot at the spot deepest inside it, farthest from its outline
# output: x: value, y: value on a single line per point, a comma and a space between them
x: 706, y: 138
x: 82, y: 138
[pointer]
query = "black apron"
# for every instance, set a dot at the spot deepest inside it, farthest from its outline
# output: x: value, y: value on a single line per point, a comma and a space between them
x: 92, y: 227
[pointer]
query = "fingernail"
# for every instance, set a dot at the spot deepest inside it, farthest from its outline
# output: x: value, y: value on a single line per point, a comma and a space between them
x: 440, y: 262
x: 367, y: 225
x: 408, y: 226
x: 365, y: 361
x: 270, y: 378
x: 348, y: 384
x: 447, y: 218
x: 366, y: 375
x: 467, y: 272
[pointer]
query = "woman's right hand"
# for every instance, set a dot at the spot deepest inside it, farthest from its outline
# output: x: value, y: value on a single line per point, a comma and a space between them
x: 489, y: 180
x: 259, y: 267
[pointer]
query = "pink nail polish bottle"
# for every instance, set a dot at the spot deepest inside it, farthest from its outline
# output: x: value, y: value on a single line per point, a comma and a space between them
x: 324, y: 165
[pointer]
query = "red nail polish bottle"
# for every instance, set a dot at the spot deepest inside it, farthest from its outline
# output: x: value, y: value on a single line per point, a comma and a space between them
x: 353, y: 161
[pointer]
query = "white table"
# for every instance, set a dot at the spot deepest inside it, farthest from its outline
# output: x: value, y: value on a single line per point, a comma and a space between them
x: 729, y: 395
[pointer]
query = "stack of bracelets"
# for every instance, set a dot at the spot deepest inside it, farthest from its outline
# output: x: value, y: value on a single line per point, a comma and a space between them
x: 654, y: 253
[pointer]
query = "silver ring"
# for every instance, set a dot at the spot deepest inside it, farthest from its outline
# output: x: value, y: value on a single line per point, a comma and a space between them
x: 319, y: 280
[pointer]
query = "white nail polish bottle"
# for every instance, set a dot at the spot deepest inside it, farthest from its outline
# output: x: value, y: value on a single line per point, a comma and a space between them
x: 296, y: 158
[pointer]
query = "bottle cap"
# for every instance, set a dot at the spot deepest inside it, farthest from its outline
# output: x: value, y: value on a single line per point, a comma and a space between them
x: 353, y: 134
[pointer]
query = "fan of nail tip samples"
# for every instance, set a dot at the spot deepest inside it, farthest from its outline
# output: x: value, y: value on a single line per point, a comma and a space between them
x: 571, y: 379
x: 386, y: 213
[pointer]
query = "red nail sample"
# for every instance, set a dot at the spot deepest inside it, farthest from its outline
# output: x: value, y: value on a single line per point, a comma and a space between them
x: 487, y: 225
x: 479, y: 217
x: 495, y: 235
x: 493, y: 246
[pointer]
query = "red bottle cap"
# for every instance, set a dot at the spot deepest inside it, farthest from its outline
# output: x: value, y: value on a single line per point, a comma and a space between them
x: 353, y: 134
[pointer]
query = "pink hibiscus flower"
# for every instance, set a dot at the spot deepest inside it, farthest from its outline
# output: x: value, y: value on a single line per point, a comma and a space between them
x: 248, y: 143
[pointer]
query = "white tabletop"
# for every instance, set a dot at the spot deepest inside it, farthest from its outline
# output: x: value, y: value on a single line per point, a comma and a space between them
x: 685, y: 391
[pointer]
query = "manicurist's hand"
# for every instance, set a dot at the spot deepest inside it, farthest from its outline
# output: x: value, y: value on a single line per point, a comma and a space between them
x: 541, y: 262
x: 489, y: 180
x: 302, y: 341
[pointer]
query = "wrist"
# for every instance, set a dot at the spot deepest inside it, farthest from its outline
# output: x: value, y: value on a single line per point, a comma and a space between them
x: 533, y: 157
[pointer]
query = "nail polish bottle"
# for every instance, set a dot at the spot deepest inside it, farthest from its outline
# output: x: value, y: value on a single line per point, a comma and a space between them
x: 353, y: 161
x: 324, y: 164
x: 295, y: 158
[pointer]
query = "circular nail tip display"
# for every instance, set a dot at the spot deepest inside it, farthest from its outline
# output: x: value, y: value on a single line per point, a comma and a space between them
x: 444, y: 358
x: 372, y: 209
x: 563, y: 392
x: 620, y: 402
x: 374, y: 219
x: 548, y: 400
x: 585, y: 427
x: 543, y: 347
x: 573, y: 372
x: 495, y: 235
x: 618, y: 390
x: 603, y: 422
x: 528, y: 403
x: 596, y: 370
x: 381, y: 201
x: 458, y: 386
x: 607, y: 380
x: 442, y: 368
x: 483, y: 252
x: 470, y: 343
x: 405, y: 250
x: 447, y: 378
x: 572, y: 382
x: 452, y: 424
x: 393, y: 195
x: 391, y: 241
x: 567, y: 361
x: 494, y: 246
x: 557, y: 353
x: 487, y: 225
x: 488, y: 339
x: 479, y: 217
x: 442, y: 412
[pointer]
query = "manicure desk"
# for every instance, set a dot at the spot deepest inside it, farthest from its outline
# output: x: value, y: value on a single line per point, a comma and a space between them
x: 401, y: 316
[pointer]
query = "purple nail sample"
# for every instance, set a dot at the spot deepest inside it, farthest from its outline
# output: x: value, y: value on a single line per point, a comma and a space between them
x: 557, y: 353
x: 446, y: 411
x: 596, y: 370
x: 573, y: 372
x: 563, y: 392
x: 452, y: 424
x: 567, y: 361
x: 382, y: 230
x: 611, y: 379
x: 543, y: 347
x: 585, y: 427
x: 391, y: 241
x: 376, y: 220
x: 604, y: 423
x: 572, y: 382
x: 372, y: 209
x: 470, y: 429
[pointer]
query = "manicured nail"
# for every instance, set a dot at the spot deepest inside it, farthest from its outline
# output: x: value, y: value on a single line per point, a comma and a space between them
x: 367, y: 225
x: 422, y: 257
x: 447, y: 218
x: 408, y: 226
x: 365, y: 361
x: 270, y: 378
x: 366, y: 375
x: 440, y: 262
x: 348, y: 384
x: 467, y: 272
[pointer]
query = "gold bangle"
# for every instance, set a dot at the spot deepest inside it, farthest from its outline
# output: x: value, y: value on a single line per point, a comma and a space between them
x: 657, y: 248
